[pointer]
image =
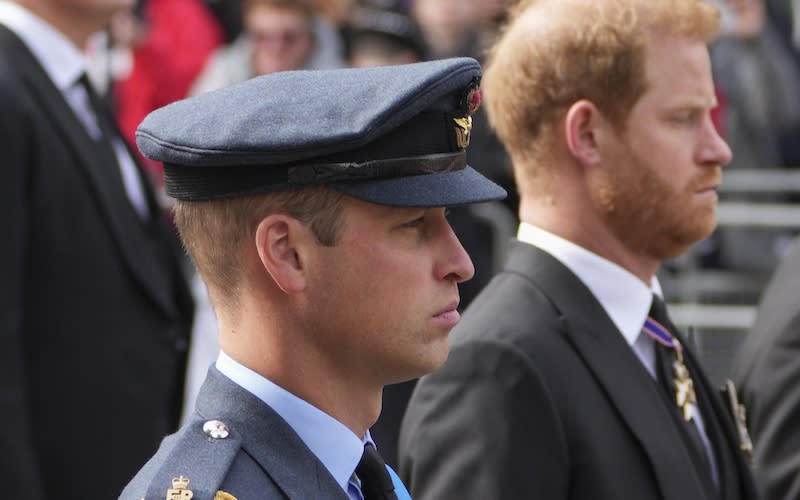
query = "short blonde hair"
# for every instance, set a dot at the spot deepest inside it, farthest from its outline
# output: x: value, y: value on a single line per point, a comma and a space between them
x: 554, y: 53
x: 214, y: 232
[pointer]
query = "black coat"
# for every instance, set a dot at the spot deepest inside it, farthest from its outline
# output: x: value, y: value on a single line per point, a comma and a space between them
x: 542, y: 398
x: 95, y: 312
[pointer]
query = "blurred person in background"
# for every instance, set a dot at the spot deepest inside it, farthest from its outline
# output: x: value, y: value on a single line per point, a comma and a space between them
x: 767, y: 372
x: 759, y: 81
x: 784, y: 15
x: 95, y: 312
x: 278, y: 35
x: 327, y: 27
x: 767, y: 368
x: 450, y: 27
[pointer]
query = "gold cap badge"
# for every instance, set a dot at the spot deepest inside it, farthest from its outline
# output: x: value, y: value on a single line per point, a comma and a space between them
x: 470, y: 103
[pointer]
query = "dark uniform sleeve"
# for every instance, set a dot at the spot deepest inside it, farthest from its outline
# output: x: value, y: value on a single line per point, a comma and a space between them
x: 483, y: 426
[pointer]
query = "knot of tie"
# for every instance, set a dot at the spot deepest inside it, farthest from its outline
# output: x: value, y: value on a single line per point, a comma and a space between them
x: 376, y: 484
x: 658, y: 325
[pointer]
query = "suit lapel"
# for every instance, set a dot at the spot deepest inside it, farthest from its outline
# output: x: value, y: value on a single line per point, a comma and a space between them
x: 100, y: 166
x: 269, y: 440
x: 619, y: 372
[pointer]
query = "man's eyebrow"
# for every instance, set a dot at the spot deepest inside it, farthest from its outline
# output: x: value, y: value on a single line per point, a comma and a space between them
x: 692, y: 102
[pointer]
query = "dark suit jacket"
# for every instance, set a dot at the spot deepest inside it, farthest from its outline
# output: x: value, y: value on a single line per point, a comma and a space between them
x: 261, y: 457
x: 542, y: 398
x: 94, y: 311
x: 767, y: 372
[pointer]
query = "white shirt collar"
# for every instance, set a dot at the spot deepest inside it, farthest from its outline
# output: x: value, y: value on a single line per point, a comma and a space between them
x: 63, y: 62
x: 624, y: 297
x: 335, y: 445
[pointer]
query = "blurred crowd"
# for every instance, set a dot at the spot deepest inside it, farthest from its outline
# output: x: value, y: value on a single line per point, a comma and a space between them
x: 161, y: 51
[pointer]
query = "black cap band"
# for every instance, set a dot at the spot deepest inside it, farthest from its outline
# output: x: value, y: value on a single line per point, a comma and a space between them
x: 377, y: 169
x: 208, y: 183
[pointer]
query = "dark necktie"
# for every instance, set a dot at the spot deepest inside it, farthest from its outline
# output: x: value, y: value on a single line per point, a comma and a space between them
x: 111, y: 144
x: 99, y: 108
x: 376, y: 484
x: 673, y: 375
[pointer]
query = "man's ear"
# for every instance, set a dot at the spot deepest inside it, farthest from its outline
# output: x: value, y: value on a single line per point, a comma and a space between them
x: 277, y: 238
x: 582, y: 128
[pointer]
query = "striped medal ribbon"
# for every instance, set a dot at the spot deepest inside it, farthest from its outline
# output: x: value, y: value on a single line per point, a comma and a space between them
x: 685, y: 395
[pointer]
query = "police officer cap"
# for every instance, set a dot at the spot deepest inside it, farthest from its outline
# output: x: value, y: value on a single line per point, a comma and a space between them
x: 392, y: 135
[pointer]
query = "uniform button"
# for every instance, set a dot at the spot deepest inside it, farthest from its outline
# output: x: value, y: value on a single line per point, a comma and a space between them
x: 216, y: 429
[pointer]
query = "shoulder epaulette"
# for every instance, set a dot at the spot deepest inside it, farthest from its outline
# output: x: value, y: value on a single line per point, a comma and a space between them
x: 197, y: 463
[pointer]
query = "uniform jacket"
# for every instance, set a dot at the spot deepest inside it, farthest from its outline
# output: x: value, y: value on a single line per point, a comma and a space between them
x: 94, y: 311
x: 767, y: 373
x: 541, y: 397
x: 260, y: 457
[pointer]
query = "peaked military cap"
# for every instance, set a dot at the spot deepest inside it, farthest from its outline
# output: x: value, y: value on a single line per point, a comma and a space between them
x: 392, y: 135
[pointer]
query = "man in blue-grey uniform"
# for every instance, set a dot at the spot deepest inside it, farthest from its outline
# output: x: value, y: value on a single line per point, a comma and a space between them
x: 313, y: 205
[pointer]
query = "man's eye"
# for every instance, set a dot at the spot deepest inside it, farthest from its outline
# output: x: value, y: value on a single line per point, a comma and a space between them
x: 415, y: 223
x: 686, y: 117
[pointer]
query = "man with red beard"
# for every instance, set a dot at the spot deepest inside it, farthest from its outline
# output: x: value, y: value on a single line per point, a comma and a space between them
x: 566, y: 379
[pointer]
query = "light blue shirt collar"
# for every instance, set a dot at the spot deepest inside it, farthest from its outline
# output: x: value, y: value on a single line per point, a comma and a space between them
x: 624, y: 297
x: 62, y: 61
x: 336, y: 446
